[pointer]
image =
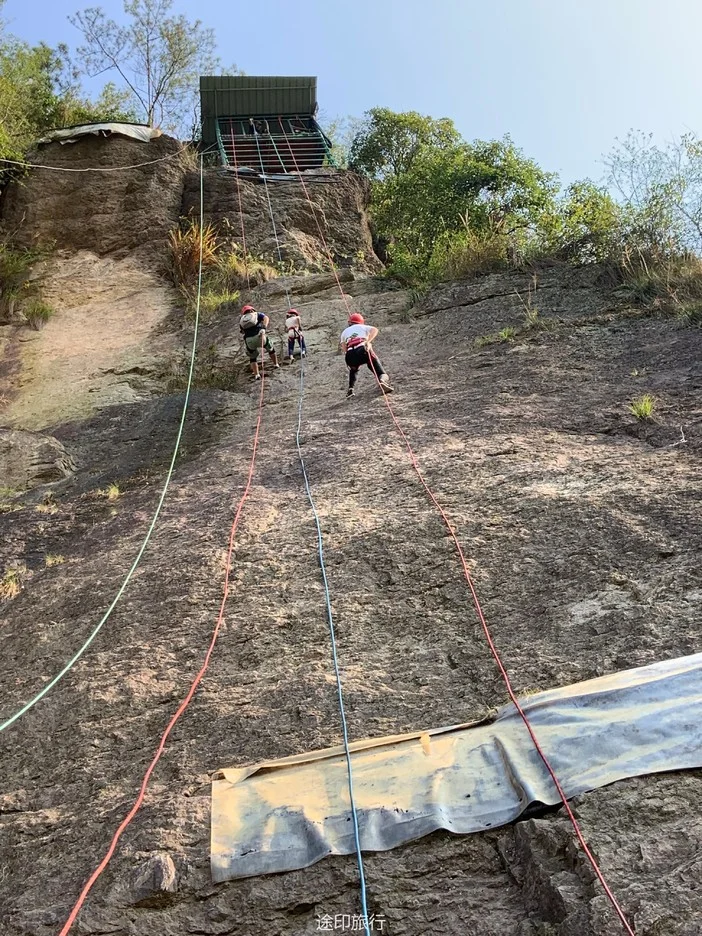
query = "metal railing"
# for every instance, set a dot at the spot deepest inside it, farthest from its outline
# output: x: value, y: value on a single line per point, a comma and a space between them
x: 273, y: 145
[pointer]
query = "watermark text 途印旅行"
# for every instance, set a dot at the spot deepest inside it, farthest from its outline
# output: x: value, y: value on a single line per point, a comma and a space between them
x: 354, y: 923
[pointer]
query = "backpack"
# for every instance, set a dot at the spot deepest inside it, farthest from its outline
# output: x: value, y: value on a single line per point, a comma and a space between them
x: 248, y: 320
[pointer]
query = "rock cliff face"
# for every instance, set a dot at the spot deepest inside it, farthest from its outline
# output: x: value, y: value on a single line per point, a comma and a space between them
x: 339, y: 202
x: 582, y: 527
x: 111, y: 212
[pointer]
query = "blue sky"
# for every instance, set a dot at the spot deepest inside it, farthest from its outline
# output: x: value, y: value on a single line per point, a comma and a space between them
x: 563, y: 77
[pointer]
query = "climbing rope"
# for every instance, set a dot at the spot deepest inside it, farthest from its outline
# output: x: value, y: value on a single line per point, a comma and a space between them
x: 191, y: 692
x: 330, y: 616
x: 481, y: 617
x: 332, y: 635
x: 241, y: 215
x: 270, y: 212
x: 151, y: 162
x: 74, y: 659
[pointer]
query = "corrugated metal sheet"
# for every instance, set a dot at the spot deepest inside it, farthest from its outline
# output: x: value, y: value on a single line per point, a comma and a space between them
x: 253, y: 96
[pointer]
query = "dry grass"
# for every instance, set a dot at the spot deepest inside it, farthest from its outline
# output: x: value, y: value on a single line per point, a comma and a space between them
x: 47, y: 508
x: 184, y: 245
x: 671, y: 284
x: 11, y: 583
x: 52, y: 560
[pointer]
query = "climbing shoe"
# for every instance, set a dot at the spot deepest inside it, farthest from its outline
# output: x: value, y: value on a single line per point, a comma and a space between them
x: 385, y: 384
x: 350, y: 392
x: 302, y: 353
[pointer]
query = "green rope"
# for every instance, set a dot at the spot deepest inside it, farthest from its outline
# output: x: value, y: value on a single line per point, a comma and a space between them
x: 96, y: 631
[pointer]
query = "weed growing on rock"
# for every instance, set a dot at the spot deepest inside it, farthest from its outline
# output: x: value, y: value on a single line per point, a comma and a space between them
x: 507, y: 334
x: 51, y: 560
x: 643, y: 407
x: 671, y: 284
x: 17, y: 287
x: 37, y: 313
x: 11, y: 583
x: 112, y: 492
x: 184, y: 244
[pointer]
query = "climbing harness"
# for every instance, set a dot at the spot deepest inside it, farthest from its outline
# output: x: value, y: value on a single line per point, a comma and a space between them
x: 74, y: 659
x: 481, y: 617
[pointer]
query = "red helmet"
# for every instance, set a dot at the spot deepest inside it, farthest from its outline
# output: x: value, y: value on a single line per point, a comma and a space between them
x: 356, y: 319
x: 293, y: 312
x: 247, y: 309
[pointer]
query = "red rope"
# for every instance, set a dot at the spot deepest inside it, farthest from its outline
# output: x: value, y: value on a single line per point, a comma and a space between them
x: 186, y: 701
x: 316, y: 221
x: 241, y: 210
x: 481, y: 616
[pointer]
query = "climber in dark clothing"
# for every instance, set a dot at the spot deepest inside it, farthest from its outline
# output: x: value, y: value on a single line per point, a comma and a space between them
x: 355, y: 342
x: 252, y: 326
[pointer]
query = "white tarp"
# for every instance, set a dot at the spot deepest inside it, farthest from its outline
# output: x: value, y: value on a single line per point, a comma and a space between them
x: 290, y: 813
x: 71, y: 134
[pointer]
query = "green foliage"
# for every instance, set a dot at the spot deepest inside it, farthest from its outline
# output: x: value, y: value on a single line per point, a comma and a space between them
x: 37, y: 313
x: 17, y: 288
x: 28, y: 103
x: 643, y: 407
x: 387, y: 143
x: 39, y: 91
x: 584, y: 225
x: 157, y: 57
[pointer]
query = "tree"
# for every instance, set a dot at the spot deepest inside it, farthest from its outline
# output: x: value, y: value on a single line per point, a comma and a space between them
x: 660, y: 189
x: 585, y: 225
x: 387, y: 143
x: 158, y: 57
x: 481, y: 186
x: 39, y: 91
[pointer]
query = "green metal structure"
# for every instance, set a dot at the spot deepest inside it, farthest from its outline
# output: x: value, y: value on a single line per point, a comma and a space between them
x: 264, y: 123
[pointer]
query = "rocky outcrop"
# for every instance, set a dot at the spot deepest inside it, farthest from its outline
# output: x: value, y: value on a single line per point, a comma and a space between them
x: 339, y: 202
x: 105, y: 212
x: 29, y: 459
x: 118, y: 212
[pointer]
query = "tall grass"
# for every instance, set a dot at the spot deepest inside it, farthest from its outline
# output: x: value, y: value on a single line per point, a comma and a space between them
x: 226, y: 270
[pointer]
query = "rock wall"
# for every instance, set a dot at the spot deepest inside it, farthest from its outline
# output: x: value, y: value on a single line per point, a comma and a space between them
x: 340, y: 201
x: 119, y: 212
x: 105, y: 212
x: 582, y: 528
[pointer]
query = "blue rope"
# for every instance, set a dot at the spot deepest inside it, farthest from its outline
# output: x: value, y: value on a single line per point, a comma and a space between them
x: 330, y: 618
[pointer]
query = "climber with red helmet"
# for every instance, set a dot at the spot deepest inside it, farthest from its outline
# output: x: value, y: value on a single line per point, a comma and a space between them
x: 355, y: 342
x: 293, y: 324
x: 252, y: 326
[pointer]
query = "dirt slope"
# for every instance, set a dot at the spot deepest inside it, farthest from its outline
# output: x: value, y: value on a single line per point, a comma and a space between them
x: 583, y: 530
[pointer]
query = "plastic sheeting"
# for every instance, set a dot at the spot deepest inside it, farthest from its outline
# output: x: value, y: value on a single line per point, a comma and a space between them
x: 71, y: 134
x: 290, y: 813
